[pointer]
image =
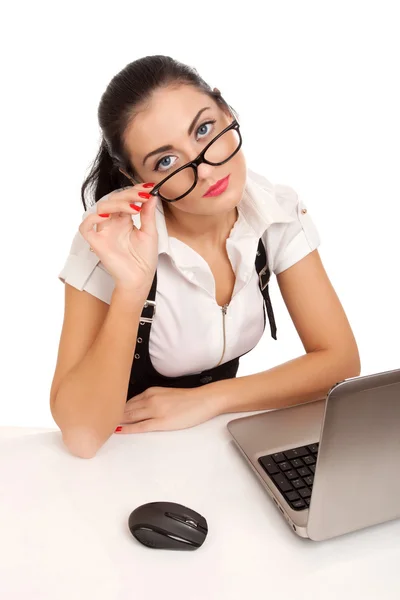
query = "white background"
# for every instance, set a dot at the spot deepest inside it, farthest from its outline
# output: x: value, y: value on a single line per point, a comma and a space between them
x: 316, y: 88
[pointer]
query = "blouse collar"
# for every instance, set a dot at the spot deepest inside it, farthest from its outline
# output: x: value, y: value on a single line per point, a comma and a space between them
x: 258, y: 209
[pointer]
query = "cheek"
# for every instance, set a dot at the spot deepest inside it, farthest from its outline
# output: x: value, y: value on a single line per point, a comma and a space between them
x: 239, y: 166
x: 238, y: 170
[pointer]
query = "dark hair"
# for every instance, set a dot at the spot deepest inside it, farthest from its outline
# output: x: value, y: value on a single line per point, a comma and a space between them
x: 129, y: 88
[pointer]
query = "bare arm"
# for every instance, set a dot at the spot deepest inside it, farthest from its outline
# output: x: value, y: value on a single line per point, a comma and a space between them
x: 90, y: 383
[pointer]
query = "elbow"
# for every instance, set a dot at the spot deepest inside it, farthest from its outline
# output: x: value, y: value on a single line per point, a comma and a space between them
x: 350, y: 365
x: 81, y: 442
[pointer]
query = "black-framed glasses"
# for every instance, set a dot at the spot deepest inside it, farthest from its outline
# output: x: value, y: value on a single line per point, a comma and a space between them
x: 182, y: 181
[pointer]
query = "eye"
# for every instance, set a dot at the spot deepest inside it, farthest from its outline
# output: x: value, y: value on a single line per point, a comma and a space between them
x: 203, y: 128
x: 164, y: 163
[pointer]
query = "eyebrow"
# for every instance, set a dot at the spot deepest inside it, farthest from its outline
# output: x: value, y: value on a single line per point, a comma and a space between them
x: 169, y: 147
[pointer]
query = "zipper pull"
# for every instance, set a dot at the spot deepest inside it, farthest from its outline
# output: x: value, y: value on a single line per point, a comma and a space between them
x: 224, y: 308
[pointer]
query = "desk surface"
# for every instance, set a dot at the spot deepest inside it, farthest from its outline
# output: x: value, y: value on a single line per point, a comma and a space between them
x: 64, y: 534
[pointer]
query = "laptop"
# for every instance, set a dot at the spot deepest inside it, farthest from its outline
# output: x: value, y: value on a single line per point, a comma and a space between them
x: 331, y: 466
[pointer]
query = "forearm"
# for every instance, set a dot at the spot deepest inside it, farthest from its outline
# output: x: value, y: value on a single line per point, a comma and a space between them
x: 303, y: 379
x: 91, y: 398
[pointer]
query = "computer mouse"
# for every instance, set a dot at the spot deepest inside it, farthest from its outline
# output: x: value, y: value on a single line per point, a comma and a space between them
x: 168, y: 525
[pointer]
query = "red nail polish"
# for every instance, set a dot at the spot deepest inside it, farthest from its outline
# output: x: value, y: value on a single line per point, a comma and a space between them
x: 148, y: 185
x: 135, y: 207
x: 118, y: 429
x: 144, y: 195
x: 104, y: 215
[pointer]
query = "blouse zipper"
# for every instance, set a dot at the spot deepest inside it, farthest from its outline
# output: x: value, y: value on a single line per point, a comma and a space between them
x: 224, y: 309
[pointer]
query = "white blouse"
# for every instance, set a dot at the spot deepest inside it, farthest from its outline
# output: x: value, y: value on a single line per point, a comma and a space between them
x: 187, y: 333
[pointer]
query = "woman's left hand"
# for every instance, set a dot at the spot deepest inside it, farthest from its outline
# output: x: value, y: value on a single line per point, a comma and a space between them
x: 162, y: 409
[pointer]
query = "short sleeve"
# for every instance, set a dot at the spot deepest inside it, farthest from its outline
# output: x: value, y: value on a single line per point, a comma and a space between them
x: 84, y: 271
x: 289, y: 242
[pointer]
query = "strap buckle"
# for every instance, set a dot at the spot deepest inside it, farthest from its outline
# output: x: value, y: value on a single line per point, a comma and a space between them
x: 148, y: 319
x: 264, y: 271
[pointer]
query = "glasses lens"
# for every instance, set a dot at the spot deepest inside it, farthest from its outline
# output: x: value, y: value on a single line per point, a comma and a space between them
x: 224, y: 147
x: 221, y: 150
x: 178, y: 184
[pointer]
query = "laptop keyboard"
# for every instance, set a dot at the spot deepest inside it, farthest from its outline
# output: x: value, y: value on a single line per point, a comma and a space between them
x: 292, y: 471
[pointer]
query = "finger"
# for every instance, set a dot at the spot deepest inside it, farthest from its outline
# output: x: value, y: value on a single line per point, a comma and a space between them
x: 147, y: 216
x: 86, y: 227
x: 135, y: 404
x: 142, y: 427
x: 139, y: 414
x: 121, y: 200
x: 142, y: 399
x: 121, y: 218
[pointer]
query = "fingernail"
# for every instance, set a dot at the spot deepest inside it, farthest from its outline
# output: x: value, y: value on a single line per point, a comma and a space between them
x: 144, y: 195
x: 104, y: 215
x: 118, y: 429
x: 135, y: 207
x: 148, y: 185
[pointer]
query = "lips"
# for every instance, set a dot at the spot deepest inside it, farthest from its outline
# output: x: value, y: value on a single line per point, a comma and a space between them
x: 218, y: 187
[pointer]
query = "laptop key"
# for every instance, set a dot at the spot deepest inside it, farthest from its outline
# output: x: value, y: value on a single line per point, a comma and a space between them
x: 292, y: 474
x: 268, y: 465
x: 307, y: 501
x: 313, y: 448
x: 291, y: 496
x: 298, y: 483
x: 285, y: 466
x: 298, y: 504
x: 305, y: 492
x: 283, y: 484
x: 297, y: 462
x: 304, y: 471
x: 309, y: 480
x: 295, y: 453
x: 312, y: 467
x: 278, y: 457
x: 309, y: 460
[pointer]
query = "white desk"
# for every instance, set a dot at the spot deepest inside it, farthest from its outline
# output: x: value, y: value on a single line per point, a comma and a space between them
x: 64, y: 534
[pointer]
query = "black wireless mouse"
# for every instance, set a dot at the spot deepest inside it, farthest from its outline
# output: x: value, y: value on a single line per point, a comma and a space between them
x: 168, y: 525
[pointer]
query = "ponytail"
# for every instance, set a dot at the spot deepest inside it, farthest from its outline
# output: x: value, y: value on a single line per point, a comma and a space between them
x: 104, y: 177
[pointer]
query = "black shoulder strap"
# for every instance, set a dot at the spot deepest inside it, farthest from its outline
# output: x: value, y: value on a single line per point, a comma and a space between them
x: 264, y: 276
x: 146, y: 319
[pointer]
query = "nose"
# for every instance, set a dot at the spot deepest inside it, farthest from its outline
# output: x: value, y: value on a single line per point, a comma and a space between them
x: 205, y: 171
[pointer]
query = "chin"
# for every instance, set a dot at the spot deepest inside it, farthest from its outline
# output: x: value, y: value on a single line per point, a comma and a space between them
x: 233, y: 193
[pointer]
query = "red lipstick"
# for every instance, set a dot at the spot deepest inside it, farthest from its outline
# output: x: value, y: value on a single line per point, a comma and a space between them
x: 217, y: 188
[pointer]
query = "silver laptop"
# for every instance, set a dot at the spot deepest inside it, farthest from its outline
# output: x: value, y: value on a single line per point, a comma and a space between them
x: 331, y: 466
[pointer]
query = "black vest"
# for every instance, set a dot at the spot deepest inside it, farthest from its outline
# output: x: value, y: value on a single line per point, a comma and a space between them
x: 143, y: 374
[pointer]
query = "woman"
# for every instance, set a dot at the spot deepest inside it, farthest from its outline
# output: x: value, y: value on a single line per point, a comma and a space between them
x: 157, y: 317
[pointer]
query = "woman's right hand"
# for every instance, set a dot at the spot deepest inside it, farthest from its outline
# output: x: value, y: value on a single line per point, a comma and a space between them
x: 129, y: 254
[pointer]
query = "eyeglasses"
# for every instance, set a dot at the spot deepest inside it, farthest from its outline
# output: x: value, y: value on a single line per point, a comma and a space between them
x: 217, y: 152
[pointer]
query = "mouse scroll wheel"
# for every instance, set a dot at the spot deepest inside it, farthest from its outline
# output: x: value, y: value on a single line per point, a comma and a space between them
x: 191, y: 522
x: 182, y: 519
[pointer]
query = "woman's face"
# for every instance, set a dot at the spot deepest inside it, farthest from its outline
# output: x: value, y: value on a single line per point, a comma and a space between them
x: 165, y: 121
